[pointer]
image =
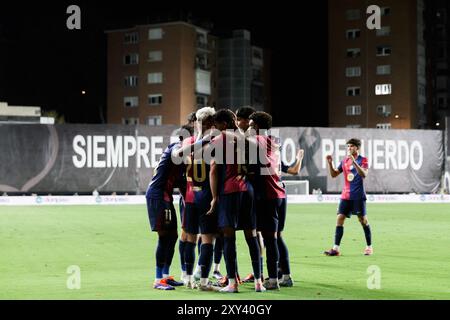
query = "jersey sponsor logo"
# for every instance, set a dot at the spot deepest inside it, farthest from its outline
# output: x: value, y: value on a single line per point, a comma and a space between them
x: 350, y: 177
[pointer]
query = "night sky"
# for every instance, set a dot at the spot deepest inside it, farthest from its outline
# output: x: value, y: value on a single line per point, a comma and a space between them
x: 43, y: 63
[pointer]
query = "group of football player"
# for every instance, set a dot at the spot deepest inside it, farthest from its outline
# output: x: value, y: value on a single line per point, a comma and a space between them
x: 227, y: 167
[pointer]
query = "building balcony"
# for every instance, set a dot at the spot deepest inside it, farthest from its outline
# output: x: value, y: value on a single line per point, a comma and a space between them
x: 202, y: 46
x: 202, y: 66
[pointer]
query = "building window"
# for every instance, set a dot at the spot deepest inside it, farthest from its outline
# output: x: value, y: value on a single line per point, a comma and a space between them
x: 384, y: 110
x: 201, y: 101
x: 132, y: 37
x: 202, y: 40
x: 384, y: 126
x: 257, y: 75
x: 353, y: 110
x: 383, y: 89
x: 353, y: 14
x: 383, y: 70
x: 441, y: 82
x: 201, y: 61
x: 353, y: 33
x: 422, y: 90
x: 353, y: 53
x: 155, y: 34
x: 442, y: 102
x: 384, y: 51
x: 130, y: 59
x: 384, y: 31
x: 154, y: 120
x: 154, y: 99
x: 130, y: 121
x: 353, y: 91
x: 353, y: 72
x: 441, y: 14
x: 154, y: 56
x: 131, y: 102
x: 156, y: 77
x: 385, y: 11
x: 131, y: 81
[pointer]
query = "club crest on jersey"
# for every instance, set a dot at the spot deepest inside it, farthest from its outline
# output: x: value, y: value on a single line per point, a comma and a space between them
x: 350, y: 177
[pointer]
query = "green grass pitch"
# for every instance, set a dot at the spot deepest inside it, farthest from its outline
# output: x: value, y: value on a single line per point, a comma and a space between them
x: 114, y: 249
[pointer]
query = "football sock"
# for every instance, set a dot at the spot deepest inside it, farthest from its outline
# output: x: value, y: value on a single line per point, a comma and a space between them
x: 189, y: 257
x: 284, y: 256
x: 262, y: 265
x: 161, y: 256
x: 181, y: 246
x: 229, y: 251
x: 197, y: 267
x: 338, y: 235
x: 218, y: 250
x: 199, y: 245
x: 171, y: 242
x: 254, y: 250
x: 368, y: 235
x: 272, y: 256
x: 205, y: 259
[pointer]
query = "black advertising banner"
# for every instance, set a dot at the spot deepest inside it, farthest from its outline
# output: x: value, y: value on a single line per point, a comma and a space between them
x: 115, y: 158
x: 447, y: 144
x: 400, y: 161
x: 79, y: 158
x: 446, y: 180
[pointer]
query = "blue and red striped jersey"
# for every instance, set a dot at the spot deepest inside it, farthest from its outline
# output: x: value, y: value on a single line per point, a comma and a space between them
x: 353, y: 186
x: 166, y: 176
x: 267, y: 183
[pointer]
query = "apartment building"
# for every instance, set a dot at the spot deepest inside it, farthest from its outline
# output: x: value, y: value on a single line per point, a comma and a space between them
x: 159, y: 73
x: 377, y: 78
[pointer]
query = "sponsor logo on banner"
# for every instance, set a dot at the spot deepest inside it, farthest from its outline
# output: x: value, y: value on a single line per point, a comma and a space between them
x: 4, y: 200
x: 114, y: 199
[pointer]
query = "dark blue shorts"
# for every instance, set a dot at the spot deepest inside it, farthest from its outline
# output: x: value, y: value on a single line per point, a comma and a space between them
x: 195, y: 219
x: 236, y: 210
x: 162, y: 215
x: 352, y: 207
x: 271, y: 215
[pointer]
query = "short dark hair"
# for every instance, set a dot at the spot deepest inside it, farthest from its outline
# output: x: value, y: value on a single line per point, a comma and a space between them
x: 355, y: 142
x: 245, y: 112
x: 262, y: 119
x: 182, y: 130
x: 227, y: 116
x: 191, y: 117
x: 188, y: 128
